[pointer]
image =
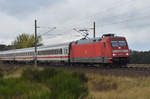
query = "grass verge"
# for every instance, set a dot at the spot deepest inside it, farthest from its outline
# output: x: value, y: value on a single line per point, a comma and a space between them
x: 111, y: 87
x: 45, y: 83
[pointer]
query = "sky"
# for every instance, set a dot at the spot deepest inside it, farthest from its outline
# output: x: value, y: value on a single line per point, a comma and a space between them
x: 129, y: 18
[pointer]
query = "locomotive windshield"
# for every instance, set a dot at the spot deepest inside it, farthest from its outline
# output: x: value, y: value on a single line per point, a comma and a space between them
x: 118, y: 43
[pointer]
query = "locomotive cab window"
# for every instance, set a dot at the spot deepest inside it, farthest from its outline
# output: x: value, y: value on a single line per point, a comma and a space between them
x: 118, y: 43
x: 122, y: 43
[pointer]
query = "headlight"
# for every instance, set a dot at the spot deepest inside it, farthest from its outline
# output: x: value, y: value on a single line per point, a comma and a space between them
x: 114, y: 54
x: 127, y: 54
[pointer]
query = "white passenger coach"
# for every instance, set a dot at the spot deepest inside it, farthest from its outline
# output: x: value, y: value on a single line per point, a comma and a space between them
x: 51, y: 53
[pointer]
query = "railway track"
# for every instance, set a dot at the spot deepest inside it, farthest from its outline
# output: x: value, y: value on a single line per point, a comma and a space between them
x: 131, y: 71
x: 98, y: 67
x: 137, y: 68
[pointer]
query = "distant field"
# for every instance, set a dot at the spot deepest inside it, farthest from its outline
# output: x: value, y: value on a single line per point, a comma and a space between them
x: 111, y: 87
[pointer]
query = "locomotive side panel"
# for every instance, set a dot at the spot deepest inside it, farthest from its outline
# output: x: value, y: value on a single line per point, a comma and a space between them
x: 87, y: 53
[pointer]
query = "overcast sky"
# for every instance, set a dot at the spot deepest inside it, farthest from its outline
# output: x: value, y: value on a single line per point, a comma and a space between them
x: 129, y: 18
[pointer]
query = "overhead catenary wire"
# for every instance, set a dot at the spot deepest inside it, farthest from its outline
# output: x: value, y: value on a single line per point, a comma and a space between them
x: 142, y: 15
x: 50, y: 29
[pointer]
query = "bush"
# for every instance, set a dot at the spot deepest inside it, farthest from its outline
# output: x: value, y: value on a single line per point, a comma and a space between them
x: 32, y: 74
x: 1, y: 73
x: 18, y: 88
x: 48, y: 73
x: 39, y: 75
x: 81, y: 76
x: 64, y: 86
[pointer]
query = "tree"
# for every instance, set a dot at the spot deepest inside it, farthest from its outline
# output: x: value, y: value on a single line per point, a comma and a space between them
x: 26, y: 40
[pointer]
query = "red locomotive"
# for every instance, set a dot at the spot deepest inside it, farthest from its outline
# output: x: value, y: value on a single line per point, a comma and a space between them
x: 108, y: 49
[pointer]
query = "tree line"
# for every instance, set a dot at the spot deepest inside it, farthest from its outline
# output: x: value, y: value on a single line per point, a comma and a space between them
x: 140, y: 57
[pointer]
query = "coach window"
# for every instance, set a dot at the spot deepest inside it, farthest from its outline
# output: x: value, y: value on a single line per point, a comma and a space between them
x: 38, y: 53
x: 60, y: 51
x: 51, y: 52
x: 48, y: 52
x: 44, y: 52
x: 66, y: 51
x: 27, y: 54
x: 57, y: 51
x: 54, y: 51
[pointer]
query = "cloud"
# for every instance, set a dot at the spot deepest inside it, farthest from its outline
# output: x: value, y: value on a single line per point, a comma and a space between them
x: 21, y: 8
x: 122, y: 17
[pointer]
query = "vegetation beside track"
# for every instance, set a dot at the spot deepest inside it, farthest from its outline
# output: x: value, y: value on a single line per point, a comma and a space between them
x: 42, y: 83
x: 28, y: 82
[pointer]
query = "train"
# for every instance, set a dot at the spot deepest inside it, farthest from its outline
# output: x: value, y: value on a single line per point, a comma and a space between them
x: 108, y: 49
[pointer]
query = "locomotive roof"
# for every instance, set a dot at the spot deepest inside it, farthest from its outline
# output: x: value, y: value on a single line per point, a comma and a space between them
x: 94, y: 40
x: 85, y: 41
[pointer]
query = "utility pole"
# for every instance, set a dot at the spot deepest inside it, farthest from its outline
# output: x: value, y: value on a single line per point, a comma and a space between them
x: 35, y: 53
x: 94, y: 30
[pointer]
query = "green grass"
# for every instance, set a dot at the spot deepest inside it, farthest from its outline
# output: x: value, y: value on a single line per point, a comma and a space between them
x: 64, y: 86
x: 13, y: 88
x: 47, y: 83
x: 1, y: 73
